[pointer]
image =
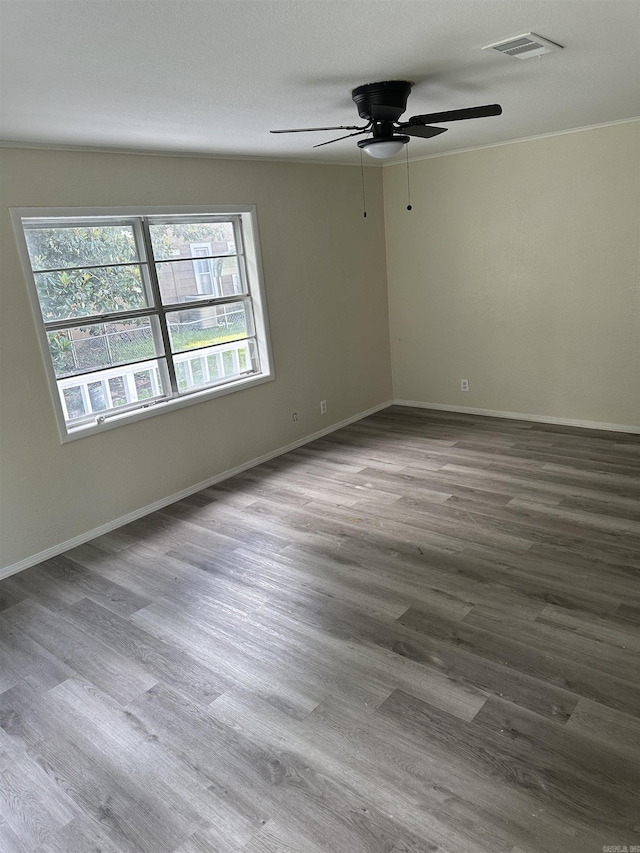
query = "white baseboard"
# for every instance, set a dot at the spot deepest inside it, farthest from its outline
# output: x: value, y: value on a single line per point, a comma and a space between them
x: 518, y: 416
x: 146, y: 510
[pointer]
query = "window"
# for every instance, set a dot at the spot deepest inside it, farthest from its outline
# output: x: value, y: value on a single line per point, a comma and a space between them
x: 144, y: 311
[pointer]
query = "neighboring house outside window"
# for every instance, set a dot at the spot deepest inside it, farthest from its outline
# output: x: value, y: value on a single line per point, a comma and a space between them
x: 207, y: 270
x: 144, y: 309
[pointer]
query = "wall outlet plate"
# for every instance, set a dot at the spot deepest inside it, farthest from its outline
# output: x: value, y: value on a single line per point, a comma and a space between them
x: 464, y: 384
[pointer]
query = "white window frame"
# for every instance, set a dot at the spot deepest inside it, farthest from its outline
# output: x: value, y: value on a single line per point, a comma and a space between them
x: 247, y: 216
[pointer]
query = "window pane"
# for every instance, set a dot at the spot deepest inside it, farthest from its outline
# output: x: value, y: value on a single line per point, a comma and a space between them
x: 98, y: 396
x: 144, y: 384
x: 199, y: 278
x: 215, y: 365
x: 88, y: 246
x: 177, y: 239
x: 85, y: 292
x: 118, y: 391
x: 101, y: 345
x: 74, y: 403
x: 201, y: 327
x: 106, y: 390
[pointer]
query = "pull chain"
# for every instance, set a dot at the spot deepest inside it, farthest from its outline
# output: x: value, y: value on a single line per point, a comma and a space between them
x: 406, y: 148
x: 364, y: 200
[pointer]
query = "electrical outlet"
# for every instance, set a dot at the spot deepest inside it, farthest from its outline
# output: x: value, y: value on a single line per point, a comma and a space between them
x: 464, y: 384
x: 323, y: 407
x: 295, y: 417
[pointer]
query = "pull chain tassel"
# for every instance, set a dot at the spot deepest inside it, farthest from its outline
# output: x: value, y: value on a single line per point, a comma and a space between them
x: 364, y: 200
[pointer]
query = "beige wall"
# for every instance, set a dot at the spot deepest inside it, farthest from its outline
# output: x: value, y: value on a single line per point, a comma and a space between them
x: 518, y: 269
x: 324, y: 268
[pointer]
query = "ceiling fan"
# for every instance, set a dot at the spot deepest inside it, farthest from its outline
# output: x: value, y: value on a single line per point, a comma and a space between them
x: 381, y: 105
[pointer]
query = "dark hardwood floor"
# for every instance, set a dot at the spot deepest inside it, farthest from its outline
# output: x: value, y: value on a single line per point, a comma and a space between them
x: 417, y: 634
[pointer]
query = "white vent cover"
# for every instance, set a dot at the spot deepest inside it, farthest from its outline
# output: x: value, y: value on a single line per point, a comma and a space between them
x: 524, y: 46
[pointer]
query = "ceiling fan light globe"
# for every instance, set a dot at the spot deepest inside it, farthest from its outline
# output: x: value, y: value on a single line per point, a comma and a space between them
x: 383, y: 148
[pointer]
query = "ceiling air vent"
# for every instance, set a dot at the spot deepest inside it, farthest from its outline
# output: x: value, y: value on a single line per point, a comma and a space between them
x: 524, y: 46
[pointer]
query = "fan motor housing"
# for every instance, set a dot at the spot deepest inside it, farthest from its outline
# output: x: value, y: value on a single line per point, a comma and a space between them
x: 382, y: 101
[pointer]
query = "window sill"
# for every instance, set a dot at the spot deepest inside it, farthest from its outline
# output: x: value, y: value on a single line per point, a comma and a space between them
x: 69, y: 433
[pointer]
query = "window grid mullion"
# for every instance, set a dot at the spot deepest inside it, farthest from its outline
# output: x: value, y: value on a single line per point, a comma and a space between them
x: 182, y: 259
x: 96, y: 319
x: 157, y: 299
x: 206, y: 303
x: 184, y: 352
x: 80, y: 374
x: 89, y: 267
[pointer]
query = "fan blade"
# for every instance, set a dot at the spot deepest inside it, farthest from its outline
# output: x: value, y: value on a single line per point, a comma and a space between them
x: 314, y: 129
x: 348, y: 136
x: 457, y: 115
x: 424, y: 131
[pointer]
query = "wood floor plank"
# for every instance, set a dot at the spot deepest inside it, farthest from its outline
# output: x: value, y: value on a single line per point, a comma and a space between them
x: 328, y: 743
x: 23, y: 659
x: 86, y: 656
x: 578, y: 586
x: 518, y: 654
x: 195, y: 798
x: 338, y: 633
x: 619, y: 731
x: 416, y: 634
x: 445, y: 793
x: 610, y: 631
x: 592, y: 798
x: 466, y: 668
x: 630, y: 613
x: 80, y: 835
x: 162, y: 661
x: 27, y: 803
x: 543, y: 634
x: 563, y: 754
x: 63, y: 580
x: 99, y: 767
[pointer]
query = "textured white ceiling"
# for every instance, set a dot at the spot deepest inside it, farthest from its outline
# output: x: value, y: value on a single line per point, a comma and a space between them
x: 214, y: 76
